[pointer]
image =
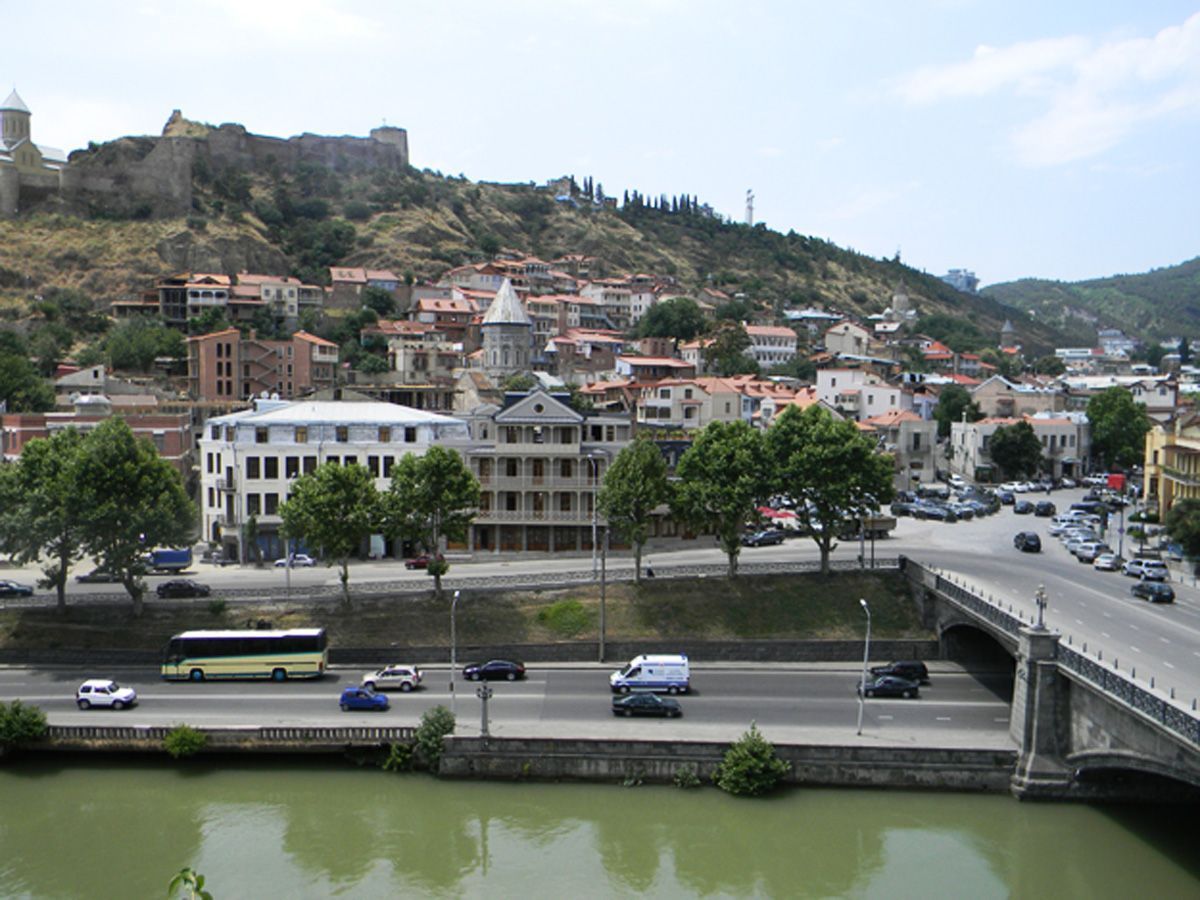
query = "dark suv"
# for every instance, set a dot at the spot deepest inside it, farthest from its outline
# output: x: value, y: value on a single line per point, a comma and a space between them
x: 912, y: 669
x: 1028, y: 542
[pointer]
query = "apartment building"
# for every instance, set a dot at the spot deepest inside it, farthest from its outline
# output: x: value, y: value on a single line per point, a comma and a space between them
x: 771, y: 345
x: 1065, y: 439
x: 1000, y: 397
x: 224, y: 366
x: 859, y: 394
x: 912, y: 442
x: 249, y: 459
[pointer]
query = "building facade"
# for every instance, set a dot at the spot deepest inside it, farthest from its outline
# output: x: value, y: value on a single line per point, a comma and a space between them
x: 225, y: 366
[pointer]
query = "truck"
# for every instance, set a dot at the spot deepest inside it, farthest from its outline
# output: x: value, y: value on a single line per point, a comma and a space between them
x: 167, y: 560
x: 653, y: 672
x: 872, y: 527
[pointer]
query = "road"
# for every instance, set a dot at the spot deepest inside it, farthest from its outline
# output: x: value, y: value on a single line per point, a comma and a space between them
x: 788, y: 702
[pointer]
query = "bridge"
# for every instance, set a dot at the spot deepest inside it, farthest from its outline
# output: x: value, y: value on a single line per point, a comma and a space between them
x: 1085, y: 728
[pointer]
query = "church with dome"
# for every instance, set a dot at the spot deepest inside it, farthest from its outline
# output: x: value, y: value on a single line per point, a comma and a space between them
x: 28, y: 171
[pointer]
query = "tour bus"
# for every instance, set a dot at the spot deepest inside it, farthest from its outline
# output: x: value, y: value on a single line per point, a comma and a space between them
x: 278, y: 655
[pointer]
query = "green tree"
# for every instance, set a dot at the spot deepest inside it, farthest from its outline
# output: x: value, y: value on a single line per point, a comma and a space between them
x: 1183, y: 525
x: 953, y: 401
x: 133, y: 500
x: 722, y: 478
x: 519, y: 383
x: 210, y: 320
x: 1016, y: 450
x: 40, y: 512
x: 1049, y: 365
x: 19, y: 724
x: 21, y: 387
x: 735, y: 311
x: 679, y: 318
x: 335, y: 508
x: 378, y: 299
x: 634, y: 485
x: 829, y: 468
x: 1006, y: 364
x: 135, y: 344
x: 370, y: 364
x: 1119, y: 427
x: 726, y: 355
x: 750, y: 766
x: 431, y: 497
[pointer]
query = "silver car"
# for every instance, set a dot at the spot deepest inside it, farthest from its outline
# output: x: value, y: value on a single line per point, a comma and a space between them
x: 393, y: 677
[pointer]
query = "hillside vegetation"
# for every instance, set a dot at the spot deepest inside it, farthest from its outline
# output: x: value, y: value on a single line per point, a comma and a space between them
x: 1157, y: 305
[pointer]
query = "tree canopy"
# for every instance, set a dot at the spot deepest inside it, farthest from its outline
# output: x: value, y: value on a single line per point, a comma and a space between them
x: 1016, y: 450
x: 1119, y: 427
x: 679, y: 318
x: 1183, y: 525
x: 722, y: 477
x: 726, y: 355
x: 335, y: 508
x: 634, y: 485
x: 953, y: 401
x: 21, y: 387
x: 829, y: 468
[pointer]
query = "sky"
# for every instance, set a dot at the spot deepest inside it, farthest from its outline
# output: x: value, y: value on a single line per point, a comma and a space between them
x: 1016, y: 139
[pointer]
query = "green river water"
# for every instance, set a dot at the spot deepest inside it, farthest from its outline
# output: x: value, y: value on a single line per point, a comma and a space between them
x: 299, y: 828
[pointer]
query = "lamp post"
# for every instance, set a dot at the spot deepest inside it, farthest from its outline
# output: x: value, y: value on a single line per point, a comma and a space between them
x: 1039, y: 598
x: 595, y: 461
x: 603, y: 584
x: 453, y: 653
x: 484, y: 693
x: 862, y: 685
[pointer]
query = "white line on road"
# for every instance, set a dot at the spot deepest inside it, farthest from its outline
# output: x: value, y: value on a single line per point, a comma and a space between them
x: 885, y: 718
x: 1134, y: 649
x: 1106, y: 634
x: 1165, y: 640
x: 1108, y: 615
x: 1079, y: 621
x: 943, y: 718
x: 1134, y: 627
x: 1167, y: 664
x: 1002, y: 719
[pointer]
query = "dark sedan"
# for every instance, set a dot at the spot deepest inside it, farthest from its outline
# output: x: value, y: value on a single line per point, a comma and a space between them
x: 1045, y: 509
x: 766, y: 538
x: 1028, y: 542
x: 182, y: 587
x: 911, y: 669
x: 494, y: 670
x: 890, y: 686
x: 646, y: 705
x: 98, y: 576
x: 1023, y: 508
x: 12, y: 589
x: 1154, y: 591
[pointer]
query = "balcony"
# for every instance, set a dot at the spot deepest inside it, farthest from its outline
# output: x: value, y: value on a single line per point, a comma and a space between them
x: 532, y: 516
x: 1179, y: 476
x: 227, y: 483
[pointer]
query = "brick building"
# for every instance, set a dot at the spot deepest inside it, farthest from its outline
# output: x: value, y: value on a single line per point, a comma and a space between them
x: 224, y: 365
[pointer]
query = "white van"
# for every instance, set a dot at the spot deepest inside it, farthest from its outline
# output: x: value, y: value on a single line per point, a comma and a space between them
x: 667, y: 672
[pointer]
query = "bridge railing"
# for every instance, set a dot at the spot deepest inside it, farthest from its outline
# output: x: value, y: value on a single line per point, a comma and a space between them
x: 1111, y: 681
x: 274, y: 734
x: 986, y: 609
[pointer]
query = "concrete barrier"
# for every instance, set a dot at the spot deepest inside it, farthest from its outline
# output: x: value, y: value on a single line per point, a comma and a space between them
x: 250, y: 739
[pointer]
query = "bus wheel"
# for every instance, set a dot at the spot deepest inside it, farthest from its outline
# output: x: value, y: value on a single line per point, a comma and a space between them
x: 279, y: 674
x: 672, y: 690
x: 197, y: 675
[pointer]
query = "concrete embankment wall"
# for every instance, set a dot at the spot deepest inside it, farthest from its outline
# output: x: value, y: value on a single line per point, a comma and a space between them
x: 660, y: 761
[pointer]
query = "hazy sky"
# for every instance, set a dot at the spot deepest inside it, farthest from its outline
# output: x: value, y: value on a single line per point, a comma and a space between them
x: 1048, y: 139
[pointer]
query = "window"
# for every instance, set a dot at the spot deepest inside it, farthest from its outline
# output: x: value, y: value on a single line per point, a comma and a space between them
x: 341, y: 434
x: 917, y: 441
x: 566, y: 468
x: 271, y: 504
x: 215, y: 433
x: 291, y: 466
x: 208, y: 463
x: 252, y: 467
x: 310, y: 465
x: 160, y: 441
x: 260, y: 435
x: 301, y: 434
x: 410, y: 435
x: 373, y: 466
x: 271, y: 467
x: 385, y: 434
x: 211, y: 498
x: 252, y: 505
x: 388, y: 462
x: 564, y: 502
x: 511, y: 468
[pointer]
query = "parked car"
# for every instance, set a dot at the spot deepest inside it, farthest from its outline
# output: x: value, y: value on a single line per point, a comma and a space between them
x: 12, y: 589
x: 1107, y: 562
x: 1153, y: 591
x: 926, y: 509
x: 646, y: 704
x: 1023, y: 508
x: 494, y: 669
x: 1147, y: 569
x: 361, y: 698
x: 1089, y: 550
x: 1028, y: 542
x: 422, y: 561
x: 182, y: 587
x: 912, y: 669
x: 397, y: 677
x: 890, y: 686
x: 765, y: 538
x: 1006, y: 496
x: 902, y: 507
x: 98, y: 576
x: 964, y: 511
x: 1067, y: 483
x: 1044, y: 509
x: 104, y: 692
x: 296, y: 561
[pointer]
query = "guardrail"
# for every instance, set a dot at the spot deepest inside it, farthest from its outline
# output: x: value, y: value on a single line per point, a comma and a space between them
x: 221, y: 737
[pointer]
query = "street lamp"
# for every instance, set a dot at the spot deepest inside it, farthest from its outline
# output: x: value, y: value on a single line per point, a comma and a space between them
x: 594, y: 459
x: 453, y: 654
x: 1039, y: 598
x: 862, y: 685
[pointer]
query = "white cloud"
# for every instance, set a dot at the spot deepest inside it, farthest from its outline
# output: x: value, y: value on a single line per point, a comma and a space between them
x: 1095, y: 95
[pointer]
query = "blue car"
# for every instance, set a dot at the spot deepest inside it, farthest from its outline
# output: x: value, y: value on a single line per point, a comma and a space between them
x: 361, y: 698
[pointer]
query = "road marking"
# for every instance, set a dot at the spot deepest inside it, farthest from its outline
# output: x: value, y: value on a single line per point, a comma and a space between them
x: 885, y: 718
x: 1134, y: 627
x: 1134, y: 649
x: 1105, y: 634
x: 1108, y: 615
x: 943, y: 718
x: 1003, y: 719
x: 1165, y: 640
x: 1167, y: 664
x: 1079, y: 621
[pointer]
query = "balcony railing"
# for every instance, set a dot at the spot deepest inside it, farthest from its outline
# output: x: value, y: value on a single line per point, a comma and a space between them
x: 227, y: 483
x: 547, y: 482
x: 1188, y: 479
x: 571, y: 517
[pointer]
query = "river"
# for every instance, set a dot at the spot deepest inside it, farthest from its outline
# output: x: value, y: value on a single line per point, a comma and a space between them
x: 299, y: 828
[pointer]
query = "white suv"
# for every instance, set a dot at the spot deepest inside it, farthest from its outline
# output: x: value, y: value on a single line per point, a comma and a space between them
x: 103, y: 692
x: 403, y: 678
x: 1147, y: 569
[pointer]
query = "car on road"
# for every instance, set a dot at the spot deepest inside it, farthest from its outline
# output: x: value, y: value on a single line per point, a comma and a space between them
x: 98, y: 576
x: 912, y: 669
x: 890, y: 686
x: 393, y: 677
x: 360, y: 698
x: 12, y: 589
x: 422, y: 561
x: 494, y: 670
x: 1028, y: 542
x: 1154, y: 591
x: 646, y: 704
x: 1023, y: 508
x: 104, y: 692
x: 1107, y: 562
x: 1044, y: 509
x: 296, y: 561
x: 182, y: 587
x: 766, y: 538
x: 1147, y: 569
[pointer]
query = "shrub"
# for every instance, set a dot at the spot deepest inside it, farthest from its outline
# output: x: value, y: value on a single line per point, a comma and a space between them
x: 685, y: 776
x: 399, y: 758
x: 566, y: 618
x: 184, y: 740
x: 20, y: 723
x: 435, y: 724
x: 750, y: 767
x: 216, y: 606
